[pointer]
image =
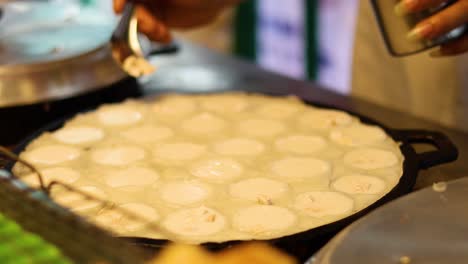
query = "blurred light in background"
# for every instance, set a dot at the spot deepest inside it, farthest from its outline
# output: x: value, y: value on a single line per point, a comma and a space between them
x: 303, y: 39
x: 336, y: 29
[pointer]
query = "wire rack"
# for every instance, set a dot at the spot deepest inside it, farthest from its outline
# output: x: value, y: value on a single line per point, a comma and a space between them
x: 77, y: 237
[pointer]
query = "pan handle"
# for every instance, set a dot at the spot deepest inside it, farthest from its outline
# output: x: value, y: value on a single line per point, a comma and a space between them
x: 166, y: 49
x: 445, y: 150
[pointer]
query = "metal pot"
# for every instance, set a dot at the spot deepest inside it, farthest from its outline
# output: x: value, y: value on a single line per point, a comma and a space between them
x: 49, y: 54
x: 394, y: 28
x: 49, y: 59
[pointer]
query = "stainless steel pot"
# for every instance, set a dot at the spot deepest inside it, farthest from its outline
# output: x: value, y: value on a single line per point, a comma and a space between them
x: 394, y: 28
x: 47, y: 56
x: 428, y: 226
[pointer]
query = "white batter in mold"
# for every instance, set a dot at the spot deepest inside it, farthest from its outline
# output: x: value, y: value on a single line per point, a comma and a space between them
x: 61, y: 174
x: 263, y: 220
x: 204, y: 123
x: 370, y: 158
x: 132, y: 176
x: 359, y: 184
x: 141, y: 211
x: 130, y: 217
x: 184, y: 192
x: 261, y: 127
x: 77, y: 202
x: 118, y: 155
x: 219, y: 167
x: 324, y: 119
x: 300, y: 168
x: 147, y: 134
x: 300, y: 144
x: 358, y: 135
x: 52, y: 154
x: 194, y: 222
x: 240, y: 147
x: 181, y: 151
x: 116, y: 115
x: 174, y: 107
x: 321, y: 204
x: 224, y: 103
x: 279, y: 110
x: 78, y: 135
x: 261, y: 190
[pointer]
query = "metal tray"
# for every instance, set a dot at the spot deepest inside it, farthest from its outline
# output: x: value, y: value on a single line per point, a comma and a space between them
x: 427, y: 226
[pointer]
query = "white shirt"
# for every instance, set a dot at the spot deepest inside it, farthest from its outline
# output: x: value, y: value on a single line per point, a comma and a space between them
x: 353, y: 59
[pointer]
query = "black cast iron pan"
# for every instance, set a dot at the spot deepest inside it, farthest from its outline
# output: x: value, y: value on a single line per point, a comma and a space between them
x: 302, y: 245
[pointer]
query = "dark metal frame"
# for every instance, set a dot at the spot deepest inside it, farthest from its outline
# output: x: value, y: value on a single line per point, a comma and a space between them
x: 303, y: 244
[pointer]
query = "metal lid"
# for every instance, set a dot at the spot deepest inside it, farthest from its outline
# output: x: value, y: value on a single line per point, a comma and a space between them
x: 428, y: 226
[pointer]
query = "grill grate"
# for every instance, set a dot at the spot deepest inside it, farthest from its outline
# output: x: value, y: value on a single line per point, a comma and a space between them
x: 77, y: 237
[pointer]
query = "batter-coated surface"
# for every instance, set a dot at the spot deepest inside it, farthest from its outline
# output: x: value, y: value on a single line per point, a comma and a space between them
x: 211, y: 168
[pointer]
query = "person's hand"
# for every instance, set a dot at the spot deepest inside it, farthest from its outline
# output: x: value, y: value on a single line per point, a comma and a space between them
x: 438, y: 24
x: 156, y: 17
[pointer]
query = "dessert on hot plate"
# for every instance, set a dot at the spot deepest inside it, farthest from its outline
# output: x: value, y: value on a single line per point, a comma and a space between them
x: 219, y: 167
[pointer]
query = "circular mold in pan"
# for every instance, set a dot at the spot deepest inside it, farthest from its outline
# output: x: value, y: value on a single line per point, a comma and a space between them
x: 302, y: 245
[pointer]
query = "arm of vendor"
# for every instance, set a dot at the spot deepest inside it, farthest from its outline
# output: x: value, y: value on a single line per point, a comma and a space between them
x: 157, y: 16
